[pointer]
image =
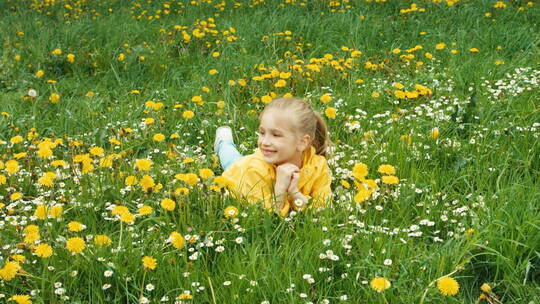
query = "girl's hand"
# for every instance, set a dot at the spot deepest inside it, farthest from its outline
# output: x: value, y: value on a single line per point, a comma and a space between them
x: 293, y: 186
x: 284, y: 178
x: 300, y: 200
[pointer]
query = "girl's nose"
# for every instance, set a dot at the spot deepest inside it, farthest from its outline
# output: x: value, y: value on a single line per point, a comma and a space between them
x: 265, y: 141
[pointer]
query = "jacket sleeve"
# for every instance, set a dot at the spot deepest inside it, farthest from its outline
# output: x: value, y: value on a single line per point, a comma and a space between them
x: 322, y: 192
x: 250, y: 184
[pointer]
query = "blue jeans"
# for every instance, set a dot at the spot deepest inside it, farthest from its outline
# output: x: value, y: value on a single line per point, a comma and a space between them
x: 227, y: 154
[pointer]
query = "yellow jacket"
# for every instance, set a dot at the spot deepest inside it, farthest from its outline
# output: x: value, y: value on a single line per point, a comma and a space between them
x: 253, y: 179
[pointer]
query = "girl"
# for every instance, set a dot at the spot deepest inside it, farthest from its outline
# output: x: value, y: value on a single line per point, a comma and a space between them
x: 289, y: 168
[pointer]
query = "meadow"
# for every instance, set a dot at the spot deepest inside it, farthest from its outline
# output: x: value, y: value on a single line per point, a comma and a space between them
x: 110, y: 191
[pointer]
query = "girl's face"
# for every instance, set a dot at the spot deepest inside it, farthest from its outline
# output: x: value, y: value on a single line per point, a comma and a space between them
x: 278, y: 143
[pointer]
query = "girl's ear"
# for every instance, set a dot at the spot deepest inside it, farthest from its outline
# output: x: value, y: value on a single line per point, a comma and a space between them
x: 305, y: 141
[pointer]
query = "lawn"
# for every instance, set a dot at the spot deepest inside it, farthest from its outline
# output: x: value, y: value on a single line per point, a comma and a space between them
x: 110, y: 190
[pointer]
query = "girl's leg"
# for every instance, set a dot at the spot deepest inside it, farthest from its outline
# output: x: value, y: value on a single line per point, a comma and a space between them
x: 227, y: 153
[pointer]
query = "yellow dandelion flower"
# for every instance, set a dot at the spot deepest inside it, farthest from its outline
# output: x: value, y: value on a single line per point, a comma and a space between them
x: 266, y: 99
x: 184, y: 296
x: 15, y: 196
x: 356, y: 53
x: 147, y: 182
x: 127, y: 217
x: 58, y: 163
x: 485, y: 288
x: 198, y: 100
x: 325, y: 98
x: 75, y: 245
x: 188, y: 178
x: 231, y: 212
x: 40, y: 73
x: 45, y: 153
x: 177, y: 240
x: 56, y: 211
x: 145, y: 210
x: 280, y: 83
x: 206, y: 173
x: 21, y: 299
x: 360, y: 171
x: 31, y: 234
x: 18, y: 258
x: 345, y: 184
x: 75, y: 226
x: 149, y: 263
x: 19, y: 155
x: 102, y: 240
x: 188, y: 114
x: 57, y: 52
x: 43, y: 250
x: 131, y: 180
x: 434, y: 133
x: 158, y: 137
x: 390, y: 180
x: 399, y: 94
x: 16, y: 139
x: 362, y: 195
x: 330, y: 112
x: 143, y: 164
x: 448, y: 286
x: 380, y: 284
x: 41, y: 212
x: 54, y: 98
x: 97, y: 151
x: 168, y: 204
x: 12, y: 166
x: 181, y: 191
x: 222, y: 182
x: 9, y: 270
x: 440, y: 46
x: 386, y: 169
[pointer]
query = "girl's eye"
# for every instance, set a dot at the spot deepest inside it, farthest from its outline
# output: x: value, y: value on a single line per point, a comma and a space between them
x: 277, y: 135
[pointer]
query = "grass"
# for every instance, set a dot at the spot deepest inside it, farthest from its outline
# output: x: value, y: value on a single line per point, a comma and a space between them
x: 466, y: 205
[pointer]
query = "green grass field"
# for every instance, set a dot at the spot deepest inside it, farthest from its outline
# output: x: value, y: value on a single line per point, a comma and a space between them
x: 445, y: 91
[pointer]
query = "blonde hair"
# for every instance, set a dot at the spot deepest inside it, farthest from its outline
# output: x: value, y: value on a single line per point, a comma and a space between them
x: 306, y: 121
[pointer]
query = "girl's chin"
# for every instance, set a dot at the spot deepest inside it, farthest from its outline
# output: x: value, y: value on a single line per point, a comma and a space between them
x: 270, y: 160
